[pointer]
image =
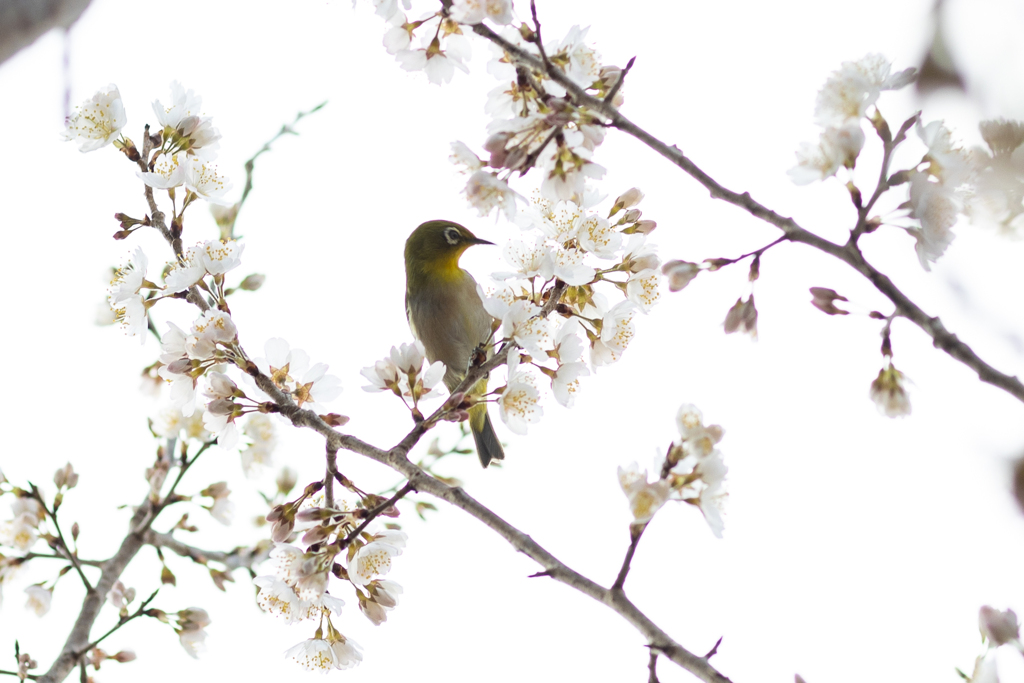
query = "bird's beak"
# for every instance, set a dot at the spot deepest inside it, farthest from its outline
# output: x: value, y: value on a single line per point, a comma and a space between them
x: 477, y: 240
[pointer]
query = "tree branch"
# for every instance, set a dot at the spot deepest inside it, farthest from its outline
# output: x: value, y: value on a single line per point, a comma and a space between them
x: 78, y: 640
x: 397, y: 459
x: 849, y: 254
x: 238, y: 558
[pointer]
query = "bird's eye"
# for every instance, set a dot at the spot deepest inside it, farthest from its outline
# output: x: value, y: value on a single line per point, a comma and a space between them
x: 452, y: 236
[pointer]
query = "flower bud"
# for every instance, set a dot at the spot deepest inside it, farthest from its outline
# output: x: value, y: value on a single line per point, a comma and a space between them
x: 221, y: 406
x: 889, y: 394
x: 179, y: 367
x: 252, y: 282
x: 645, y: 262
x: 335, y: 420
x: 65, y: 477
x: 998, y: 628
x: 824, y: 300
x: 627, y: 199
x: 281, y: 530
x: 644, y: 227
x: 217, y: 490
x: 609, y: 76
x: 316, y: 534
x: 742, y: 317
x: 374, y: 612
x: 221, y: 386
x: 679, y: 274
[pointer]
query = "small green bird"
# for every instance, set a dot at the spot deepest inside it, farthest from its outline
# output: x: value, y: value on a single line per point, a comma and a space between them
x: 446, y: 314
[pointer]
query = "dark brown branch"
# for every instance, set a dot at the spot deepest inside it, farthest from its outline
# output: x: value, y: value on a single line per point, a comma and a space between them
x: 377, y: 512
x: 932, y: 326
x: 618, y: 84
x: 635, y: 532
x: 539, y: 41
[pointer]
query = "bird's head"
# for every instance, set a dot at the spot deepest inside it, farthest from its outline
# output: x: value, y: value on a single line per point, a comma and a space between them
x: 434, y: 248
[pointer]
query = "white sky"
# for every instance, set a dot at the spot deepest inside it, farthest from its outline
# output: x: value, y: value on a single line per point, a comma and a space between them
x: 855, y: 547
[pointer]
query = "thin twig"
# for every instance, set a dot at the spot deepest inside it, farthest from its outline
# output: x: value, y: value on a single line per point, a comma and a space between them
x: 722, y: 262
x: 635, y: 532
x: 888, y: 147
x: 618, y: 84
x: 332, y: 471
x: 52, y: 514
x: 652, y: 667
x: 539, y: 41
x: 135, y: 615
x: 286, y: 129
x: 376, y: 512
x: 45, y: 556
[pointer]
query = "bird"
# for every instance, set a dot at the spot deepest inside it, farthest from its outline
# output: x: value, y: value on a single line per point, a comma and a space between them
x: 446, y: 314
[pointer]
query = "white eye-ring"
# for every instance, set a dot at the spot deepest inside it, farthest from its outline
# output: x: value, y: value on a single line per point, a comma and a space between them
x: 452, y: 236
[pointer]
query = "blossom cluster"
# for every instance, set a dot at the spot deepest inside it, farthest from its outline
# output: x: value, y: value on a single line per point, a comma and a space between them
x: 936, y: 195
x: 597, y: 258
x: 534, y: 123
x: 985, y: 183
x: 300, y: 588
x: 403, y: 374
x: 692, y: 471
x: 186, y: 141
x: 998, y: 174
x: 842, y: 103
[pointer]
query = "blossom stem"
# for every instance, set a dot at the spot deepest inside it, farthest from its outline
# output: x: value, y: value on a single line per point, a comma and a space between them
x: 332, y: 470
x: 719, y: 263
x: 121, y: 622
x: 376, y: 512
x: 65, y: 548
x: 635, y: 532
x: 888, y: 147
x: 46, y: 556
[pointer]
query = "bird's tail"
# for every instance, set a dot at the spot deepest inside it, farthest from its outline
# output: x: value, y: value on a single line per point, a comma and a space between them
x: 487, y: 445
